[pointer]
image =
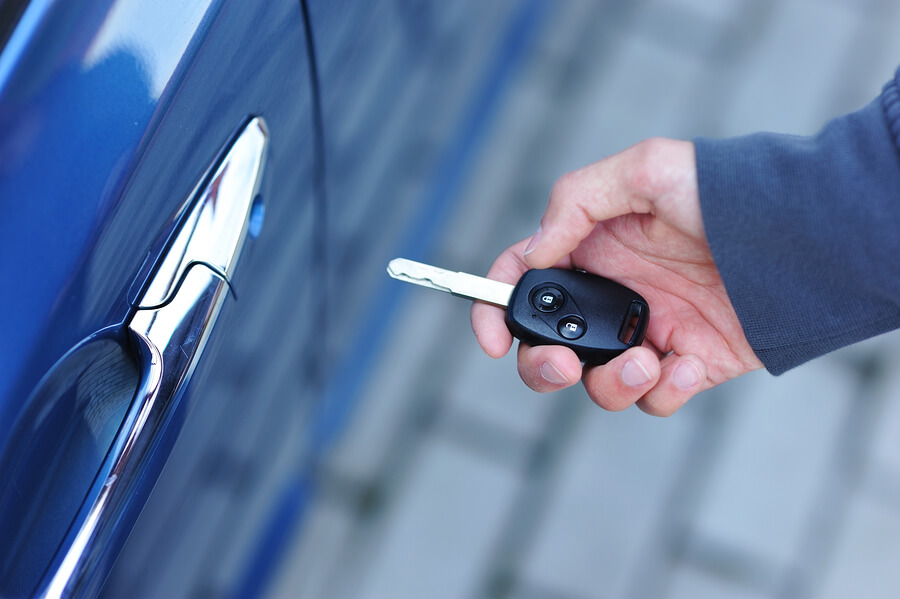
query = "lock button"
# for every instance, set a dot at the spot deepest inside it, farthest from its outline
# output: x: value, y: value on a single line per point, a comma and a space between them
x: 548, y: 299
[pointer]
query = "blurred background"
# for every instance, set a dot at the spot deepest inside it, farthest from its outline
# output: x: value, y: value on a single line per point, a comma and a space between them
x: 438, y: 473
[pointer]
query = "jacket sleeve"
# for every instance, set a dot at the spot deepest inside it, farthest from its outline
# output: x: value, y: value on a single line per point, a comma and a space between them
x: 805, y: 231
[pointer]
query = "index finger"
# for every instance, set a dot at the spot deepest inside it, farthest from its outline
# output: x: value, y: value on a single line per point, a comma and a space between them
x: 488, y: 320
x: 584, y: 197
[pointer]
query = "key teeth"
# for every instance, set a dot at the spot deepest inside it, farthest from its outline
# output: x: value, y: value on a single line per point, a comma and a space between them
x: 398, y: 268
x: 459, y: 284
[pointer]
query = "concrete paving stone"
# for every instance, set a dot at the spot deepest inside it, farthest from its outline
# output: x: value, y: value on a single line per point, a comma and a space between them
x: 621, y: 88
x: 277, y: 447
x: 394, y: 385
x: 532, y: 592
x: 684, y: 29
x: 492, y: 391
x: 872, y: 60
x: 493, y: 212
x: 887, y: 21
x: 767, y: 477
x: 567, y: 110
x: 645, y: 92
x: 613, y: 483
x: 786, y: 82
x: 868, y: 7
x: 690, y: 582
x: 404, y: 112
x: 887, y: 344
x: 864, y: 562
x: 511, y: 180
x: 720, y: 11
x: 564, y: 32
x: 439, y: 532
x: 884, y: 452
x: 314, y: 554
x: 608, y: 502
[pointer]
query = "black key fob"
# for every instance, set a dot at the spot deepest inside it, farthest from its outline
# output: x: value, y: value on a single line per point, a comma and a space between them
x: 595, y: 317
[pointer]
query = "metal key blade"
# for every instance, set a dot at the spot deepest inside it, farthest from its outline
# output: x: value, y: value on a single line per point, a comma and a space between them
x: 457, y: 283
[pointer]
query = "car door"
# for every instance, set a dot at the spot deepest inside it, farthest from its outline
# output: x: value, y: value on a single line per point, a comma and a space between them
x: 122, y: 127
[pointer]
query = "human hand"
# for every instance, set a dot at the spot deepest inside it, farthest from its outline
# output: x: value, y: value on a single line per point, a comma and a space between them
x: 635, y: 218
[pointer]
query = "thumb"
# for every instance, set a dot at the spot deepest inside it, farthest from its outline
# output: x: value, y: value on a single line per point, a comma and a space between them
x: 578, y: 201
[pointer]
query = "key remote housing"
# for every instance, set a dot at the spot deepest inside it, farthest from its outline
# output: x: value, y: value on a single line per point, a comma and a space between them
x: 595, y: 317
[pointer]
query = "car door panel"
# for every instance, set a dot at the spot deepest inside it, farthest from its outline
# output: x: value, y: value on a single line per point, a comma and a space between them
x: 112, y: 112
x: 111, y: 115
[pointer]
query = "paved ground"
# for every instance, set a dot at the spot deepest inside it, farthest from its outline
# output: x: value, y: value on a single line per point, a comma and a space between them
x: 454, y: 480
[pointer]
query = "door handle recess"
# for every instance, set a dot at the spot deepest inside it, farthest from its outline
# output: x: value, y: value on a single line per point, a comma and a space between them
x: 168, y: 332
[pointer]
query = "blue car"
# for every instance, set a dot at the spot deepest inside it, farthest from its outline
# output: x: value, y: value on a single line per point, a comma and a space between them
x: 199, y: 199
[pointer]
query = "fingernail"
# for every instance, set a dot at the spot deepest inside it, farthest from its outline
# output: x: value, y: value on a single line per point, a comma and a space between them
x: 634, y: 374
x: 551, y: 374
x: 533, y: 242
x: 686, y: 376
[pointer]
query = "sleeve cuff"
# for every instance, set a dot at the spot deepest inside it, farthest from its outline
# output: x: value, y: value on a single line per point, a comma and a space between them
x: 805, y: 231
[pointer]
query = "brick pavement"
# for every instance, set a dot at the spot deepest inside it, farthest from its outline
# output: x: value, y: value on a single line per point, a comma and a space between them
x: 454, y: 480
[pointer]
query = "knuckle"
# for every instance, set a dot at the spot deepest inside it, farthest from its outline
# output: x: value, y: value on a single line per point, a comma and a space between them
x: 654, y: 410
x: 566, y: 187
x: 661, y: 405
x: 646, y: 173
x: 609, y: 401
x: 640, y: 174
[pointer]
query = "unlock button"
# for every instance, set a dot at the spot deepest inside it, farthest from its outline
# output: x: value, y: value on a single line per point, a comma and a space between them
x: 571, y: 327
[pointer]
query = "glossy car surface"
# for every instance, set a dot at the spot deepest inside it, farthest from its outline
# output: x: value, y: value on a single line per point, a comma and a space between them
x: 114, y: 116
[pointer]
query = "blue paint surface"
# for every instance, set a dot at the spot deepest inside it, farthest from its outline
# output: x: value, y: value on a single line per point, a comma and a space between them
x: 110, y: 113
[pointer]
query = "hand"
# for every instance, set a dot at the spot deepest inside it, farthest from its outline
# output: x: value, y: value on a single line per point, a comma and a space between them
x: 634, y: 218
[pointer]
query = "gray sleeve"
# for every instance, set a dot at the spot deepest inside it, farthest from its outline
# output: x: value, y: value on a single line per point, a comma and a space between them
x: 805, y: 231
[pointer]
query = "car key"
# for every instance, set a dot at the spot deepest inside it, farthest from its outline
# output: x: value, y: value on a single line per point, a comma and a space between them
x: 595, y: 317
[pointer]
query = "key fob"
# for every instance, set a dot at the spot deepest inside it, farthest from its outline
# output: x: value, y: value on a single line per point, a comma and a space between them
x: 595, y: 317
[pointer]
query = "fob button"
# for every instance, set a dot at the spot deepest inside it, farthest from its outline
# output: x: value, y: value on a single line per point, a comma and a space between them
x: 547, y: 299
x: 571, y: 327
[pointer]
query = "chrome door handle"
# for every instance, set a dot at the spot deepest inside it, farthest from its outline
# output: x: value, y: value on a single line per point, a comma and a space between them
x: 169, y: 330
